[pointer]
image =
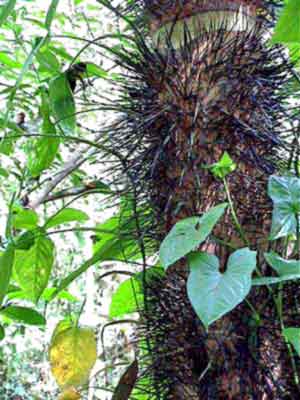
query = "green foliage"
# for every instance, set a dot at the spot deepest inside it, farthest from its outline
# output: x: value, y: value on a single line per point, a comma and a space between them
x: 188, y: 234
x: 6, y: 266
x: 66, y: 215
x: 285, y: 193
x: 62, y: 104
x: 33, y: 267
x: 129, y: 296
x: 223, y: 167
x: 212, y: 293
x: 293, y: 336
x: 288, y: 27
x: 22, y: 315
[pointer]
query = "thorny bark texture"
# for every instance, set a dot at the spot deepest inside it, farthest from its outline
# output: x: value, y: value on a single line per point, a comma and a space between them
x: 213, y: 93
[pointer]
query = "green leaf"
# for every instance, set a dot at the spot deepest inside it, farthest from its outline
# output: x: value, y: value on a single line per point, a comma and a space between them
x: 23, y: 315
x: 223, y: 167
x: 51, y: 13
x: 287, y: 29
x: 25, y: 219
x: 274, y: 280
x: 6, y: 10
x: 188, y: 234
x: 62, y: 103
x: 48, y: 61
x: 63, y: 295
x: 129, y: 295
x: 66, y: 215
x: 8, y: 61
x: 6, y: 266
x: 43, y: 150
x: 282, y: 266
x: 285, y: 193
x: 114, y: 240
x: 212, y: 293
x: 292, y: 335
x: 33, y: 267
x: 126, y: 298
x: 2, y: 333
x: 95, y: 70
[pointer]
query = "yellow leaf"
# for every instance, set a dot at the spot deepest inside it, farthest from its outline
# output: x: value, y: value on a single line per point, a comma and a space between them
x: 72, y: 354
x: 69, y: 394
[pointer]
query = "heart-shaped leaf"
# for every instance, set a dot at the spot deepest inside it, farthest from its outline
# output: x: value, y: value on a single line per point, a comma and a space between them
x: 212, y: 293
x: 188, y: 234
x: 285, y: 193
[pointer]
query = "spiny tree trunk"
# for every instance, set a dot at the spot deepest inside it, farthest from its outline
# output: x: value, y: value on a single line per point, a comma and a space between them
x: 210, y: 85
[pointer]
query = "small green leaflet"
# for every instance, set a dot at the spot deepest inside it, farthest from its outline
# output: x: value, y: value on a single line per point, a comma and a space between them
x: 51, y: 13
x: 33, y: 267
x: 223, y: 167
x: 213, y: 294
x: 62, y: 103
x: 23, y: 315
x: 6, y: 10
x: 188, y: 234
x: 285, y: 193
x: 6, y: 266
x: 287, y: 29
x: 66, y: 215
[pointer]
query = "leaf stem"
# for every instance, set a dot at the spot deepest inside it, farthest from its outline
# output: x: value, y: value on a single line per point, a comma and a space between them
x: 234, y: 216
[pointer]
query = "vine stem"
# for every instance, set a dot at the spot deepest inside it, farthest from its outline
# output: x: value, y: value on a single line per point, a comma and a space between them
x: 234, y: 216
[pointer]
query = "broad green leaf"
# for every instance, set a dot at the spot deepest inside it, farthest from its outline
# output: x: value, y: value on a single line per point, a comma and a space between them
x: 282, y: 266
x: 6, y: 267
x: 51, y: 13
x: 43, y: 151
x: 6, y: 10
x: 188, y: 234
x: 287, y: 29
x: 2, y: 333
x: 66, y: 215
x: 212, y: 293
x: 33, y: 267
x: 126, y: 298
x: 72, y: 354
x: 293, y: 336
x: 285, y: 193
x: 62, y: 103
x: 129, y: 295
x: 23, y: 315
x: 48, y: 61
x: 25, y: 219
x: 223, y: 167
